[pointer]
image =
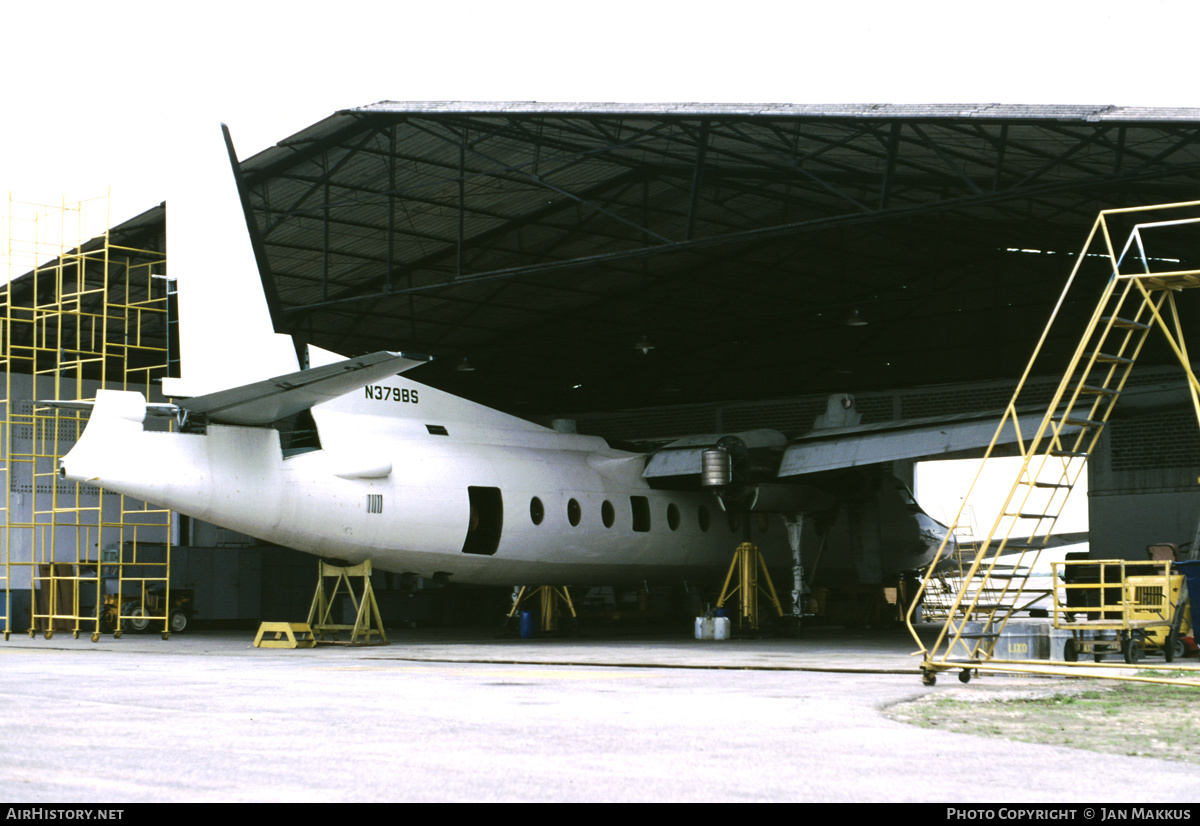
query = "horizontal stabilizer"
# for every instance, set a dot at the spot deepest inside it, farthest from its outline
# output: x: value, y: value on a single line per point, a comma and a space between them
x: 264, y: 402
x: 153, y: 408
x: 845, y: 447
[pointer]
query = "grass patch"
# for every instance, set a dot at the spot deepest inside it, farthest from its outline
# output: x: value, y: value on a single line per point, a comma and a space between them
x: 1132, y: 719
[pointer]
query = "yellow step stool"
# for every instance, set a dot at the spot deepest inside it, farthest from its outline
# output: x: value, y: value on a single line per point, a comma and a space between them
x: 287, y: 635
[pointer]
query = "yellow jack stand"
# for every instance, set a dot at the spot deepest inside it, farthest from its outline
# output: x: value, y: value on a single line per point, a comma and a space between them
x: 748, y: 563
x: 365, y: 609
x: 550, y: 596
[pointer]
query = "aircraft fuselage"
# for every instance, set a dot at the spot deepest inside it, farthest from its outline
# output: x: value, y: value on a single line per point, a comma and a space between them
x: 422, y: 482
x: 544, y: 507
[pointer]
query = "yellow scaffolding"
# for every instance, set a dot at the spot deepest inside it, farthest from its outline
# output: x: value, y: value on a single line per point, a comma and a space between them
x: 950, y: 578
x: 1138, y: 296
x: 76, y: 316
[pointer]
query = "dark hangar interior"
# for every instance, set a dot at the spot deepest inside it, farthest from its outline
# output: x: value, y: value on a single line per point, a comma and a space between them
x: 599, y: 257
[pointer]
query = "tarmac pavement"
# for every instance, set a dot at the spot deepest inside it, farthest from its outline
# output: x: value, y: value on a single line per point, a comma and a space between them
x: 459, y: 716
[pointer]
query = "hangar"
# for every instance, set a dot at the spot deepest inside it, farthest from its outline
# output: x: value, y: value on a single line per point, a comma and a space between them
x: 655, y: 270
x: 544, y: 243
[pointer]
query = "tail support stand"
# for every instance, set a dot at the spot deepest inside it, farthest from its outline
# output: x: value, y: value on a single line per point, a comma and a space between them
x: 365, y: 608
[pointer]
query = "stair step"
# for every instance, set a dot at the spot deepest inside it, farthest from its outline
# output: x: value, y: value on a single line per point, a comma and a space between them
x: 1108, y: 358
x: 1125, y: 323
x: 1083, y: 422
x: 1092, y: 390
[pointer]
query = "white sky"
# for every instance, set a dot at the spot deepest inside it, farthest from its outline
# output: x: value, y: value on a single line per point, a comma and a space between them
x: 941, y: 486
x: 97, y: 94
x: 108, y: 94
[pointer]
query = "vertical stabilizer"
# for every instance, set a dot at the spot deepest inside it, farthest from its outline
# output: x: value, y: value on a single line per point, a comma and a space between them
x: 226, y: 337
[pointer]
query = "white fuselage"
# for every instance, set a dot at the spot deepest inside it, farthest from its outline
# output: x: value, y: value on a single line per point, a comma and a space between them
x: 404, y: 483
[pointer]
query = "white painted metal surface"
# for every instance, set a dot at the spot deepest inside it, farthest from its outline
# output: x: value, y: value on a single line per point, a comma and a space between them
x: 393, y: 484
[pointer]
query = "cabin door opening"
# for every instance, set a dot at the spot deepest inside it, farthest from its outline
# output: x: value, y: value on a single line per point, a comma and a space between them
x: 486, y: 522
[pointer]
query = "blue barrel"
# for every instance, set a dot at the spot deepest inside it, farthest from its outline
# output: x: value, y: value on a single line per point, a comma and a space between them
x: 1191, y: 572
x: 528, y: 625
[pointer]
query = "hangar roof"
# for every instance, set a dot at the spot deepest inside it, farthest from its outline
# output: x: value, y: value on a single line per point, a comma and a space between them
x: 588, y: 257
x: 544, y: 242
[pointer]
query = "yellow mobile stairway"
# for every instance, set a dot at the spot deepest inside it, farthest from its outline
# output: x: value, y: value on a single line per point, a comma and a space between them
x: 1138, y: 296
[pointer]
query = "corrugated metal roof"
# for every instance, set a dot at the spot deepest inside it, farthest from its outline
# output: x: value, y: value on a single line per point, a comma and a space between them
x: 543, y: 240
x: 1088, y: 114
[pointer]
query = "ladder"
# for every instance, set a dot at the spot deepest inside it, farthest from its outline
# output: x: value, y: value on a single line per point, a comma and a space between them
x: 1137, y: 298
x: 949, y: 580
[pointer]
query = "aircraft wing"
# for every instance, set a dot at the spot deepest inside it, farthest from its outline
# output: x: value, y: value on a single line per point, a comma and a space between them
x: 269, y: 401
x: 844, y: 447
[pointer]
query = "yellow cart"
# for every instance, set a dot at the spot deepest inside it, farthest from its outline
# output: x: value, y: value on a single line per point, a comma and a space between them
x: 1134, y: 605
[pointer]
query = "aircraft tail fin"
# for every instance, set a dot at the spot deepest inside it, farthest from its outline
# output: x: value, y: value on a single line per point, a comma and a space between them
x: 229, y: 316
